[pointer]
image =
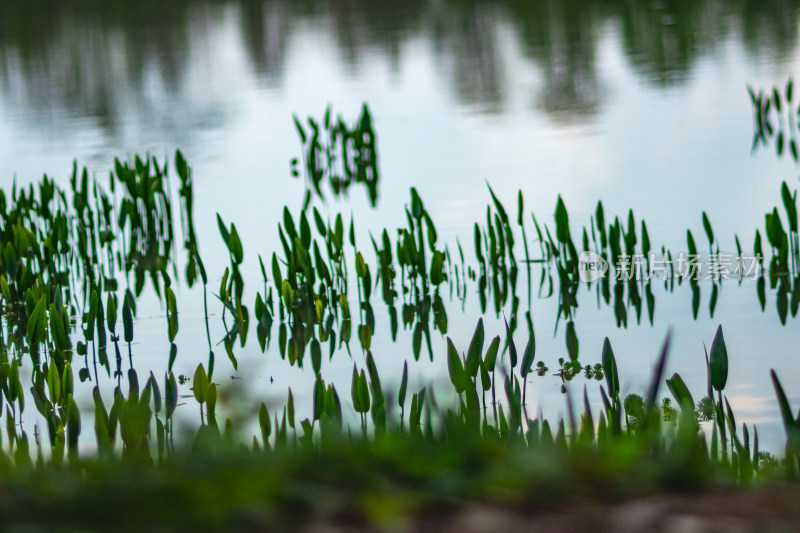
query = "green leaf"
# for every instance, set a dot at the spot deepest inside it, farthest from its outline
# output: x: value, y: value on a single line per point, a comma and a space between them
x: 490, y: 358
x: 500, y: 209
x: 305, y: 231
x: 156, y: 393
x: 528, y: 356
x: 361, y: 266
x: 321, y: 228
x: 173, y: 354
x: 718, y: 359
x: 354, y: 392
x: 290, y: 408
x: 417, y: 340
x: 223, y: 230
x: 437, y: 267
x: 457, y: 374
x: 319, y: 398
x: 57, y: 328
x: 231, y: 356
x: 709, y: 231
x: 782, y: 301
x: 374, y: 379
x: 54, y: 384
x: 172, y: 314
x: 67, y: 384
x: 365, y: 336
x: 475, y: 350
x: 316, y: 356
x: 127, y: 320
x: 288, y: 294
x: 473, y: 410
x: 658, y: 373
x: 486, y: 379
x: 363, y: 392
x: 100, y: 421
x: 757, y: 246
x: 111, y: 312
x: 680, y: 392
x: 478, y: 248
x: 322, y: 267
x: 432, y: 236
x: 790, y: 205
x: 512, y: 348
x: 276, y: 273
x: 73, y: 422
x: 610, y: 369
x: 5, y: 290
x: 264, y: 423
x: 690, y: 243
x: 416, y: 204
x: 200, y: 386
x: 572, y: 341
x: 339, y: 232
x: 235, y: 246
x: 401, y: 394
x: 791, y: 425
x: 562, y: 221
x: 10, y: 257
x: 36, y: 323
x: 300, y: 131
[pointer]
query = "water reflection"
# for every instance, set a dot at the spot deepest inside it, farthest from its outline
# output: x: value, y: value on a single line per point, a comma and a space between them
x: 95, y: 59
x: 469, y: 35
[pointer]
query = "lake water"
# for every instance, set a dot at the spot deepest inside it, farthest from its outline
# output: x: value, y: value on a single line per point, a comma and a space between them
x: 641, y: 105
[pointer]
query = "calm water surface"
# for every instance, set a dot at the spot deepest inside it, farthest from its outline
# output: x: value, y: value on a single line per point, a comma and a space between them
x: 641, y: 105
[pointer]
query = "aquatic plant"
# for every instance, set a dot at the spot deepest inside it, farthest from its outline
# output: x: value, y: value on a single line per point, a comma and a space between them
x: 66, y: 253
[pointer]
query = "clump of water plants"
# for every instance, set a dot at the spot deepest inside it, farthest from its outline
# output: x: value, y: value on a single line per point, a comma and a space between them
x: 338, y: 155
x: 67, y: 254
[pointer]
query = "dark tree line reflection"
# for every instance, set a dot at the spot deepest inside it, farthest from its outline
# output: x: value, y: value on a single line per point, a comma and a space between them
x: 81, y: 57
